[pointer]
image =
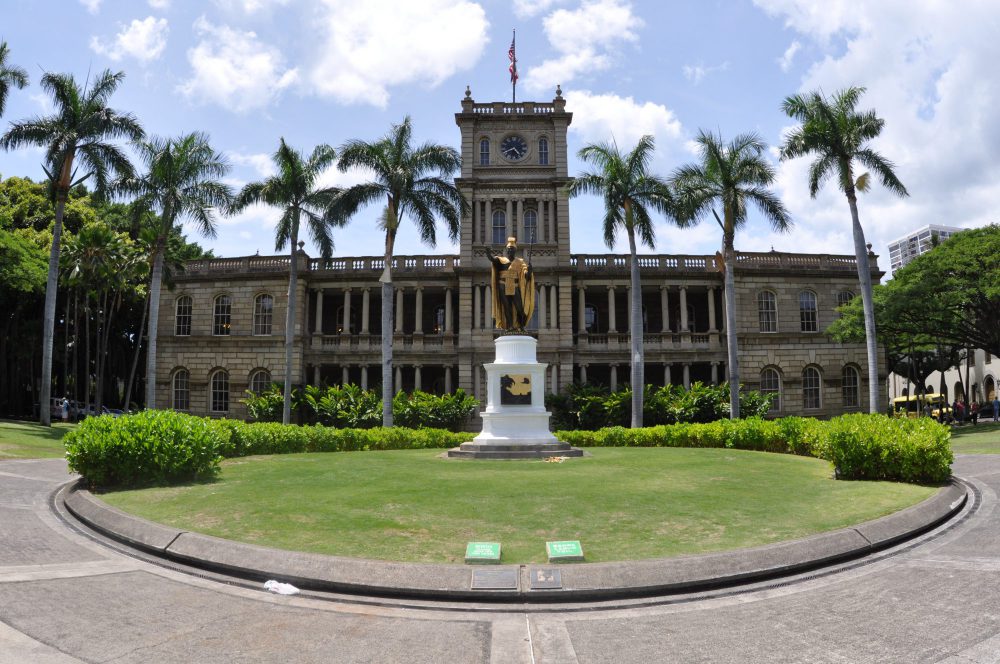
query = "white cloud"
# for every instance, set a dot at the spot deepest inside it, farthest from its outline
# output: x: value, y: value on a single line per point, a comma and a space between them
x: 143, y: 40
x: 529, y: 8
x: 260, y: 162
x: 159, y: 4
x: 250, y: 6
x: 368, y: 46
x: 601, y: 117
x: 695, y: 73
x: 93, y: 6
x: 235, y: 69
x: 584, y: 38
x: 785, y: 61
x: 923, y: 66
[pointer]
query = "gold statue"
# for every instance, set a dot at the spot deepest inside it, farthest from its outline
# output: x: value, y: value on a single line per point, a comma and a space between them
x: 513, y: 285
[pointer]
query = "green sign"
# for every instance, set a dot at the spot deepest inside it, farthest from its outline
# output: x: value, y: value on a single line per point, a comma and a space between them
x: 482, y: 553
x: 568, y: 551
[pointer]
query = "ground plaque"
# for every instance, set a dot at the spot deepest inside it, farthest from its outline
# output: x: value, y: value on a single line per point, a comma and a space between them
x: 494, y: 579
x: 545, y: 578
x: 564, y: 552
x: 482, y: 553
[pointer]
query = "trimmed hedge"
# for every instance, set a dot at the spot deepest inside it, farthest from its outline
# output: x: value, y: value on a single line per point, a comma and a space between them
x: 164, y: 447
x: 860, y: 447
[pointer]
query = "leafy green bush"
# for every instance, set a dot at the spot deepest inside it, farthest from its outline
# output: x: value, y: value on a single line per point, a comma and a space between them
x: 419, y: 410
x: 151, y: 447
x: 873, y: 447
x: 591, y: 407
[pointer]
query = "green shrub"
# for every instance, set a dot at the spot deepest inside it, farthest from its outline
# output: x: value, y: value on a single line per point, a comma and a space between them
x: 419, y: 410
x: 876, y: 447
x: 151, y: 447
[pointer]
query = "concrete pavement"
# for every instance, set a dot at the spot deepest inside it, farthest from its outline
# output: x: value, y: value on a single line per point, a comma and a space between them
x: 66, y: 597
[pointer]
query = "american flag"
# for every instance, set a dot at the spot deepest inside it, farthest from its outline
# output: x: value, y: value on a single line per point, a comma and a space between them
x: 513, y: 62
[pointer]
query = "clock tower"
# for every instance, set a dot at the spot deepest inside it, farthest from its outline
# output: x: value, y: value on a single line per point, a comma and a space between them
x: 514, y: 176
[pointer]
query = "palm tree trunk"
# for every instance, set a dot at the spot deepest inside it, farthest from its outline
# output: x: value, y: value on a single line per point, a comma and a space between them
x: 635, y: 331
x: 135, y: 357
x: 155, y: 284
x: 102, y: 332
x: 86, y: 354
x: 732, y: 346
x: 293, y: 284
x: 387, y: 330
x: 865, y: 277
x: 49, y: 318
x: 65, y: 371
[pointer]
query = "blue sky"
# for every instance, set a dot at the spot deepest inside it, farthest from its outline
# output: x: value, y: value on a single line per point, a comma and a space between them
x: 323, y: 71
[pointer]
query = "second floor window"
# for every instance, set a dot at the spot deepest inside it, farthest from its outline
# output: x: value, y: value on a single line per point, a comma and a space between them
x: 767, y: 311
x: 182, y: 320
x: 531, y: 226
x: 263, y: 309
x: 222, y: 315
x: 499, y: 227
x: 807, y: 311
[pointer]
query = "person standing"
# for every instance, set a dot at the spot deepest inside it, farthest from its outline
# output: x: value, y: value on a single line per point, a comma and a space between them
x: 65, y: 409
x: 974, y: 412
x: 996, y: 407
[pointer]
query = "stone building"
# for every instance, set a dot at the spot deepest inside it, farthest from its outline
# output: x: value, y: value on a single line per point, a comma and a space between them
x: 221, y: 329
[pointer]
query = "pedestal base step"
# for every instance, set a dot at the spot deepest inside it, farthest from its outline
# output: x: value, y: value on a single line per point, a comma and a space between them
x: 514, y: 450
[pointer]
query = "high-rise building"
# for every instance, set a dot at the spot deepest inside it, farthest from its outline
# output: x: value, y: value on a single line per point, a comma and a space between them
x: 920, y: 241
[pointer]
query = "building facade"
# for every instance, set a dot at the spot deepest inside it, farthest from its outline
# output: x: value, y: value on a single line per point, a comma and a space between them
x: 920, y: 241
x: 221, y: 331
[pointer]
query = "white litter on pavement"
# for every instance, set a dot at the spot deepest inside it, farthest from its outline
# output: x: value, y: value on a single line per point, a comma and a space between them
x: 281, y: 588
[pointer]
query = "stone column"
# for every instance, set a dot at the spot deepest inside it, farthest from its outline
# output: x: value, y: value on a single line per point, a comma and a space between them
x: 611, y: 310
x: 364, y: 377
x: 319, y: 311
x: 687, y: 376
x: 715, y: 373
x: 711, y: 309
x: 553, y: 306
x: 365, y: 308
x: 417, y: 382
x: 347, y: 311
x: 510, y: 218
x: 345, y: 375
x: 667, y: 379
x: 665, y: 308
x: 447, y: 310
x: 476, y: 220
x: 399, y: 380
x: 554, y: 384
x: 477, y: 321
x: 477, y: 381
x: 399, y: 309
x: 519, y: 219
x: 447, y: 380
x: 418, y: 314
x: 316, y: 374
x: 581, y: 304
x: 549, y: 222
x: 684, y: 309
x: 614, y: 377
x: 542, y: 311
x: 488, y: 305
x: 583, y: 373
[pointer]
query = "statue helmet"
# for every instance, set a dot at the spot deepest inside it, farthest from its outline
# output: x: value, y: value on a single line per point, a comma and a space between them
x: 512, y: 242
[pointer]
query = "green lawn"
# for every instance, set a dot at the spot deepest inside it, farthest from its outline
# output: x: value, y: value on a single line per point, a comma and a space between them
x: 983, y: 438
x: 620, y: 503
x: 25, y: 440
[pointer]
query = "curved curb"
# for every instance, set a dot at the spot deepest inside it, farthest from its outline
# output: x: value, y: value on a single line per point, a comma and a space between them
x: 580, y: 582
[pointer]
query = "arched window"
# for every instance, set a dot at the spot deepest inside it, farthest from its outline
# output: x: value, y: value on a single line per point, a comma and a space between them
x: 811, y: 383
x: 807, y: 311
x: 530, y: 226
x: 499, y: 227
x: 543, y: 152
x: 182, y: 318
x: 767, y: 311
x: 260, y: 380
x: 263, y: 309
x: 219, y: 391
x: 484, y: 152
x: 850, y: 386
x: 770, y: 383
x: 844, y: 297
x: 222, y: 315
x: 181, y: 390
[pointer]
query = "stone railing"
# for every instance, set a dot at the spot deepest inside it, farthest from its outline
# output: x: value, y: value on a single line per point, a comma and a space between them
x: 373, y: 342
x: 244, y: 264
x: 781, y: 260
x: 651, y: 340
x: 503, y: 108
x: 617, y: 262
x: 375, y: 264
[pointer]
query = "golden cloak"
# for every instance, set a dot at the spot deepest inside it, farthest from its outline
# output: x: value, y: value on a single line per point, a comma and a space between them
x: 520, y: 278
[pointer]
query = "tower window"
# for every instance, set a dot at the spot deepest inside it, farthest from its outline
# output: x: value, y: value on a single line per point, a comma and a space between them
x: 484, y: 152
x: 543, y: 152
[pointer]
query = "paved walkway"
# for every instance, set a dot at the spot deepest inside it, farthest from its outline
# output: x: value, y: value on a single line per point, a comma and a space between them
x: 66, y: 598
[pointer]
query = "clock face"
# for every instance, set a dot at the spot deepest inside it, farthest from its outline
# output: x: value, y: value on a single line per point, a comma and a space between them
x: 514, y: 148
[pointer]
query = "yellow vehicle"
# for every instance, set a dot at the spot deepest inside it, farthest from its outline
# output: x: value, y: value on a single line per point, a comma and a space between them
x: 915, y: 406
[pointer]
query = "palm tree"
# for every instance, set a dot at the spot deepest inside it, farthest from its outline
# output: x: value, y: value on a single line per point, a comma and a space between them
x: 294, y: 190
x: 629, y: 192
x: 182, y: 179
x: 80, y: 129
x: 837, y: 134
x: 412, y: 182
x: 730, y: 176
x: 10, y: 76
